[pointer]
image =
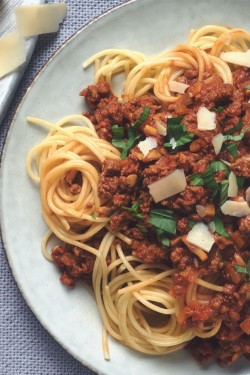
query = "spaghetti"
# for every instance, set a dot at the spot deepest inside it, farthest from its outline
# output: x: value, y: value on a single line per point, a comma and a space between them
x: 135, y: 298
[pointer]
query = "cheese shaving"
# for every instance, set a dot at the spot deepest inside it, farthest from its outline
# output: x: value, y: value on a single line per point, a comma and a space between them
x: 217, y: 142
x: 235, y: 208
x: 177, y: 87
x: 13, y: 53
x: 149, y: 144
x: 39, y: 19
x: 206, y: 119
x: 201, y: 237
x: 238, y: 58
x: 233, y: 186
x: 168, y: 186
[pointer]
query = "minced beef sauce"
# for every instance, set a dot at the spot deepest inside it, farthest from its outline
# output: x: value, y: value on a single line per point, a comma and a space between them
x: 125, y: 182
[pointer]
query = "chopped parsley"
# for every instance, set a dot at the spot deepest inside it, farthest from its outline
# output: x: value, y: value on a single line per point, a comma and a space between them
x: 244, y: 270
x: 207, y: 179
x: 177, y: 134
x: 134, y: 210
x: 118, y: 132
x: 164, y: 223
x: 247, y: 87
x: 217, y: 109
x: 191, y: 223
x: 234, y: 128
x: 223, y: 191
x: 237, y: 137
x: 142, y: 228
x: 232, y: 149
x: 240, y: 182
x: 219, y: 227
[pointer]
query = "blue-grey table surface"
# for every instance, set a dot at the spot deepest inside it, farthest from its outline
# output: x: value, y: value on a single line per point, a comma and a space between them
x: 25, y: 346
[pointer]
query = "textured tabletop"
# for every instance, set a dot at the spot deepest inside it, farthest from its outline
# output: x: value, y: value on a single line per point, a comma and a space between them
x: 25, y: 347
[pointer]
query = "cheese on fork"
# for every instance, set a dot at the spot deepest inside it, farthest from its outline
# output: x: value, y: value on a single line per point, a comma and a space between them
x: 39, y: 19
x: 12, y: 53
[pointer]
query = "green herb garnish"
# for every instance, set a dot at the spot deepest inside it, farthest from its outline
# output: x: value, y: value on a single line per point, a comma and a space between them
x: 93, y: 216
x: 191, y: 223
x: 165, y: 241
x: 142, y: 228
x: 118, y: 132
x: 218, y: 109
x: 232, y: 149
x: 237, y: 137
x: 223, y: 190
x: 196, y: 179
x: 134, y: 210
x: 163, y: 220
x: 235, y: 128
x: 247, y: 87
x: 219, y: 227
x: 177, y: 134
x: 207, y: 179
x: 245, y: 270
x: 240, y: 182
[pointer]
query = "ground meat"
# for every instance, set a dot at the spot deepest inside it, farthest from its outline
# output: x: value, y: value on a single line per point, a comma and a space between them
x: 241, y: 77
x: 203, y: 350
x: 245, y: 224
x: 133, y: 109
x: 149, y: 252
x: 74, y: 263
x: 186, y: 160
x: 94, y: 93
x: 111, y: 168
x: 234, y: 108
x: 130, y: 165
x: 188, y: 199
x: 215, y: 262
x: 183, y: 225
x: 121, y: 221
x: 242, y: 166
x: 107, y: 187
x: 214, y: 92
x: 164, y: 166
x: 181, y: 257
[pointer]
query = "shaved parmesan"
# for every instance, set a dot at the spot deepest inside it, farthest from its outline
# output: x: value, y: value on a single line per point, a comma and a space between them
x: 178, y: 87
x: 238, y: 58
x: 161, y: 127
x: 233, y: 186
x: 173, y: 143
x: 168, y: 186
x: 235, y: 208
x: 200, y: 210
x: 149, y: 144
x: 201, y: 237
x: 39, y: 19
x: 248, y: 194
x: 206, y: 119
x: 13, y: 53
x: 217, y: 142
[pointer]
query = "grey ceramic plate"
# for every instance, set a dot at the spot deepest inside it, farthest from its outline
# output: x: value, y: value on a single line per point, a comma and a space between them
x: 71, y: 316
